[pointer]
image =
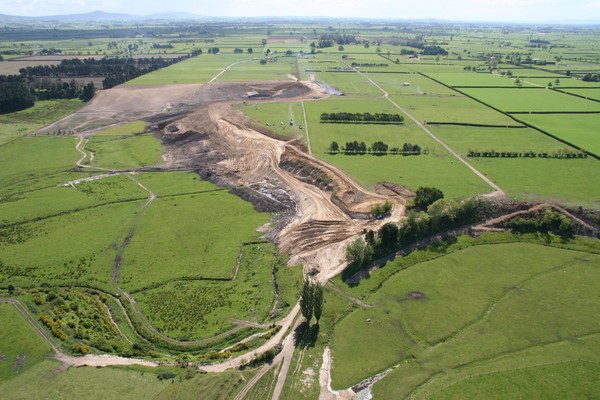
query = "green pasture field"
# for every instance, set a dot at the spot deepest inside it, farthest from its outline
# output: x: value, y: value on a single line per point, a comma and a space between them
x: 274, y: 114
x: 427, y: 100
x: 170, y: 183
x: 43, y: 381
x: 517, y: 310
x: 350, y: 83
x: 563, y: 82
x: 419, y: 85
x: 463, y: 138
x: 429, y: 65
x: 525, y: 73
x: 527, y: 100
x: 56, y: 200
x: 470, y: 78
x: 564, y: 380
x: 253, y: 70
x: 21, y: 346
x: 452, y: 108
x: 201, y: 309
x: 581, y: 130
x: 125, y: 152
x: 573, y: 182
x: 78, y: 247
x: 20, y: 123
x: 589, y: 93
x: 199, y: 69
x: 34, y: 158
x: 201, y: 239
x: 570, y: 65
x: 438, y: 169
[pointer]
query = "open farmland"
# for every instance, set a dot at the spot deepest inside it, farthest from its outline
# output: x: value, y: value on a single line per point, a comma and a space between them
x: 21, y: 347
x: 157, y: 235
x: 184, y: 241
x: 479, y: 330
x: 580, y: 130
x: 524, y: 100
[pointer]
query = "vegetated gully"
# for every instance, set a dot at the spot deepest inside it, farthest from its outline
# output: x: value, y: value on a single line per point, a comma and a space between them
x: 320, y: 208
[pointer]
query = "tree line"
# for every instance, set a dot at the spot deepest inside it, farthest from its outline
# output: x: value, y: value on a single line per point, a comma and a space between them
x: 115, y: 70
x: 591, y: 78
x: 368, y: 65
x: 527, y: 154
x: 377, y: 148
x: 422, y: 221
x: 331, y: 39
x: 44, y: 82
x: 18, y: 93
x: 362, y: 117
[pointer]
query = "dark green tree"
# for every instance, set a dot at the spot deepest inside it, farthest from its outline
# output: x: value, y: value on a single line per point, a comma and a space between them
x: 334, y: 147
x: 88, y: 92
x: 426, y: 196
x: 306, y: 300
x: 318, y: 300
x: 389, y: 235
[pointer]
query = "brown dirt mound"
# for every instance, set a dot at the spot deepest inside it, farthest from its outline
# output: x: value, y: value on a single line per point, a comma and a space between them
x: 393, y: 189
x: 140, y: 102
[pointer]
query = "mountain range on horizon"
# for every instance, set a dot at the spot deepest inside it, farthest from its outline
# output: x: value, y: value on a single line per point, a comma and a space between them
x: 101, y: 16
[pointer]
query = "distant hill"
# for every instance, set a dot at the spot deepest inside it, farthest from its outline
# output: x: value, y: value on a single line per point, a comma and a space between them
x: 100, y: 16
x: 93, y: 16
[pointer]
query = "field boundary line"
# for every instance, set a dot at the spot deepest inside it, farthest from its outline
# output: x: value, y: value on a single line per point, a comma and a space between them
x: 497, y: 190
x: 511, y: 116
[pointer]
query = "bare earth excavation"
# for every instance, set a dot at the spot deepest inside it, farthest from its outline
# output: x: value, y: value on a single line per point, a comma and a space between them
x: 318, y: 208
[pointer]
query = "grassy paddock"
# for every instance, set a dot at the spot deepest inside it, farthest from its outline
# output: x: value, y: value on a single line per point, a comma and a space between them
x: 63, y: 199
x: 33, y: 158
x: 199, y: 69
x: 201, y: 239
x: 20, y: 123
x: 527, y: 100
x: 276, y: 113
x: 45, y: 251
x: 570, y: 182
x: 21, y: 347
x: 519, y: 309
x: 580, y: 130
x: 42, y: 381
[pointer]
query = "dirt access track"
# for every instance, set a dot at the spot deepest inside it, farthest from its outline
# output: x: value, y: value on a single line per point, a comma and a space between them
x: 318, y: 207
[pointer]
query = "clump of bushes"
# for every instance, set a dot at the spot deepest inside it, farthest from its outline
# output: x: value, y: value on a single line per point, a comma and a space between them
x: 548, y: 221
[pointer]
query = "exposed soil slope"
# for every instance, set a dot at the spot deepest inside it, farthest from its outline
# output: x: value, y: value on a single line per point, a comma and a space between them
x: 323, y: 206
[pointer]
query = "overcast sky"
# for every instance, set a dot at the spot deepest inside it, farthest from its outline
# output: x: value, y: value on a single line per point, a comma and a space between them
x: 464, y: 10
